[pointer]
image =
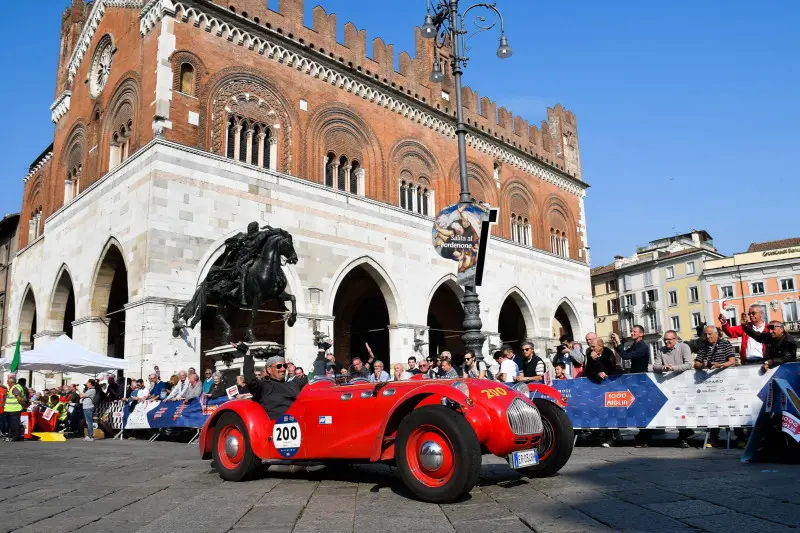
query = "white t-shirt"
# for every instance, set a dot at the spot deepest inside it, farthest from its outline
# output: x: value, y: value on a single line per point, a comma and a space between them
x: 755, y: 350
x: 509, y: 368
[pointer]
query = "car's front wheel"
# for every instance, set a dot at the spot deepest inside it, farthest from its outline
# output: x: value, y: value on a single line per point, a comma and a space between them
x: 231, y: 451
x: 438, y: 454
x: 555, y: 447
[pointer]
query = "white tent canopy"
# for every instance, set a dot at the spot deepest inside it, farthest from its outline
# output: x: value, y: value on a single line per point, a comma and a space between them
x: 65, y: 355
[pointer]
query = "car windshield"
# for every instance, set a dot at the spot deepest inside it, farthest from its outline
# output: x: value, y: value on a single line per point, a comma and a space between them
x: 342, y: 380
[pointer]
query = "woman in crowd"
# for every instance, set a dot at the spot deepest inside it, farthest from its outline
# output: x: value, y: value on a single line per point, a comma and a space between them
x: 87, y: 401
x: 218, y: 388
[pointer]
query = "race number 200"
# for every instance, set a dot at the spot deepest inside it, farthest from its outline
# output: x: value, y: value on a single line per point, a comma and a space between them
x: 286, y: 436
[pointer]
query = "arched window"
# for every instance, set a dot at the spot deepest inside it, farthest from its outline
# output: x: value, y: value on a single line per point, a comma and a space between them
x: 270, y: 145
x: 187, y: 79
x: 344, y: 174
x: 341, y: 177
x: 254, y: 145
x: 244, y: 134
x: 403, y: 186
x: 330, y: 167
x: 35, y: 225
x: 231, y: 139
x: 354, y: 171
x: 250, y: 141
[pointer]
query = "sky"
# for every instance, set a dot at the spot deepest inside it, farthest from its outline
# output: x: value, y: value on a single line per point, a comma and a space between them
x: 688, y: 112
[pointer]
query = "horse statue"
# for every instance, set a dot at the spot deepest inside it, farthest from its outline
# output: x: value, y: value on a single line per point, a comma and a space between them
x: 249, y: 276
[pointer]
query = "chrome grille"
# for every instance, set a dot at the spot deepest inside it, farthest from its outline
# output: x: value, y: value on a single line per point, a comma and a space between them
x: 523, y: 418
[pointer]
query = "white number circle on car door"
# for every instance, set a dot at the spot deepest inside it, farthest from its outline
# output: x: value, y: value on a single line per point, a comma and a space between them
x: 286, y: 436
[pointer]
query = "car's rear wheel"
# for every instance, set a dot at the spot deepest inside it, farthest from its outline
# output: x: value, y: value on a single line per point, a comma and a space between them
x: 438, y: 454
x: 555, y: 447
x: 231, y: 450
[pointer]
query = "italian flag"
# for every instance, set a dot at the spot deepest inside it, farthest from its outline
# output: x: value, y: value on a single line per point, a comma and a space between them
x: 15, y: 360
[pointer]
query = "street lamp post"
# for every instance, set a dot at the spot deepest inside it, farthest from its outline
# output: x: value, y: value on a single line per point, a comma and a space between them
x: 442, y: 22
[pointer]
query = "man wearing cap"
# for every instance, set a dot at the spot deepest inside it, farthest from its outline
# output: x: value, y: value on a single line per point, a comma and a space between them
x: 15, y: 403
x: 273, y: 392
x: 780, y: 347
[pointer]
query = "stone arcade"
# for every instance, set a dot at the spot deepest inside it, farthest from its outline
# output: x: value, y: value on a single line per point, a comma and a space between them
x: 256, y: 117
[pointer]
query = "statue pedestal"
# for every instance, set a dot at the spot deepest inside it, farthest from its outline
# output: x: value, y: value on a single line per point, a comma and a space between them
x: 229, y: 361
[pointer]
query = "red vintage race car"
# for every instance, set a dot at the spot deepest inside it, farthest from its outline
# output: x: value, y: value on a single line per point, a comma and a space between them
x: 435, y: 431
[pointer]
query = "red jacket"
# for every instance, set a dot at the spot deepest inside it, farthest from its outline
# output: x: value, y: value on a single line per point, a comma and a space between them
x: 734, y: 332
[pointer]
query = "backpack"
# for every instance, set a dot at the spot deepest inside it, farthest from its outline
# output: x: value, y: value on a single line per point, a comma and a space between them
x: 488, y: 374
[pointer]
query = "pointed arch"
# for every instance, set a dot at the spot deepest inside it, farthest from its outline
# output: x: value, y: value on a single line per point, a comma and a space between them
x: 445, y: 316
x: 481, y: 184
x: 339, y: 129
x: 379, y: 275
x: 451, y: 281
x: 565, y: 308
x: 111, y: 261
x: 61, y: 311
x: 558, y: 220
x: 525, y: 306
x: 26, y: 321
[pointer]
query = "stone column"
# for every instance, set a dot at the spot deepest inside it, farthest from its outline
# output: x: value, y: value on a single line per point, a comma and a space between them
x: 273, y: 153
x: 237, y: 141
x: 362, y: 182
x: 431, y: 203
x: 347, y: 169
x: 67, y: 190
x: 248, y: 158
x: 401, y: 343
x: 335, y: 175
x: 261, y: 137
x: 413, y: 206
x: 91, y: 332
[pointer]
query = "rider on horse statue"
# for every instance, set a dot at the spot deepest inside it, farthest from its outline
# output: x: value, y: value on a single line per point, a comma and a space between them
x: 241, y: 251
x: 250, y: 274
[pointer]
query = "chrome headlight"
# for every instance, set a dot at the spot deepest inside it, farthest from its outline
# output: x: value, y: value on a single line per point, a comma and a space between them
x: 522, y: 387
x: 463, y: 387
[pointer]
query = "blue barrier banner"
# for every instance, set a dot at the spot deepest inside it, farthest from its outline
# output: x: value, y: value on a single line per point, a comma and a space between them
x: 156, y: 415
x: 730, y: 397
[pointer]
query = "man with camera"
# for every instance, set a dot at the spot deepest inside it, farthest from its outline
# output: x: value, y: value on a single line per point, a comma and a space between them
x: 571, y: 355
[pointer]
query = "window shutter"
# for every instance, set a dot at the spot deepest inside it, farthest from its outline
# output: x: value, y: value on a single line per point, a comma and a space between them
x: 655, y: 295
x: 608, y: 305
x: 633, y: 299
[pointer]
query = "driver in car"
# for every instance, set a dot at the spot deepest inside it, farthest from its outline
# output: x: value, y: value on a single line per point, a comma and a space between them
x: 273, y: 392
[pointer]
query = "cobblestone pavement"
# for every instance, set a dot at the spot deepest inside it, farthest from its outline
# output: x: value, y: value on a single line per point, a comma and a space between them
x: 164, y: 487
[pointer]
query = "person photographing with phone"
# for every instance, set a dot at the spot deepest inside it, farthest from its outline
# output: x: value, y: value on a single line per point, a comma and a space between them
x: 752, y: 349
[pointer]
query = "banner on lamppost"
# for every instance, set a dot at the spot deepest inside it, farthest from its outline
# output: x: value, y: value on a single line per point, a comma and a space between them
x: 459, y: 230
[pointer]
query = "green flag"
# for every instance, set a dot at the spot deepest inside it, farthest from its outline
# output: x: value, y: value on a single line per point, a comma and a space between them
x: 15, y: 361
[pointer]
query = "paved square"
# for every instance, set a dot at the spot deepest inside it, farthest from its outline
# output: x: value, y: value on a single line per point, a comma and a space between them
x: 164, y: 487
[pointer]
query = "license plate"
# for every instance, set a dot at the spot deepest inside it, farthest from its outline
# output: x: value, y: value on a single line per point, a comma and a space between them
x: 523, y: 458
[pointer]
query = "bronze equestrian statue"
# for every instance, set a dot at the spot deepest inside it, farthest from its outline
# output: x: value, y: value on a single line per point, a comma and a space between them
x: 249, y: 276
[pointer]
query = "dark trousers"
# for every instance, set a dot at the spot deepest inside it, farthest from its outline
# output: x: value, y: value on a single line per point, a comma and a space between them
x: 75, y: 418
x: 14, y: 429
x: 3, y: 423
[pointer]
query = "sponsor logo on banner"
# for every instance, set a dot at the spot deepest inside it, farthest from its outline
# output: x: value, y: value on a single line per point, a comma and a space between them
x: 286, y: 436
x: 326, y: 420
x: 791, y: 425
x: 620, y: 399
x: 784, y: 401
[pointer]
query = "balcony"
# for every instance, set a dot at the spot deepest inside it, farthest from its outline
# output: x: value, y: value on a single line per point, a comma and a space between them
x: 627, y: 311
x: 650, y: 307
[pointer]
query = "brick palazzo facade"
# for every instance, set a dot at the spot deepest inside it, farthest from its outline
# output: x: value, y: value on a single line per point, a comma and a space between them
x: 178, y: 122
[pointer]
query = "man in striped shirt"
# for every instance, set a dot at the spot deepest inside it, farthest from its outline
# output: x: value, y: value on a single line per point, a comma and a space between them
x: 718, y: 353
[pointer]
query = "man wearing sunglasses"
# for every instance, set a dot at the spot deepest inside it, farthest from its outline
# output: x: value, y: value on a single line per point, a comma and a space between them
x: 273, y: 392
x: 780, y: 347
x: 674, y: 356
x: 752, y: 350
